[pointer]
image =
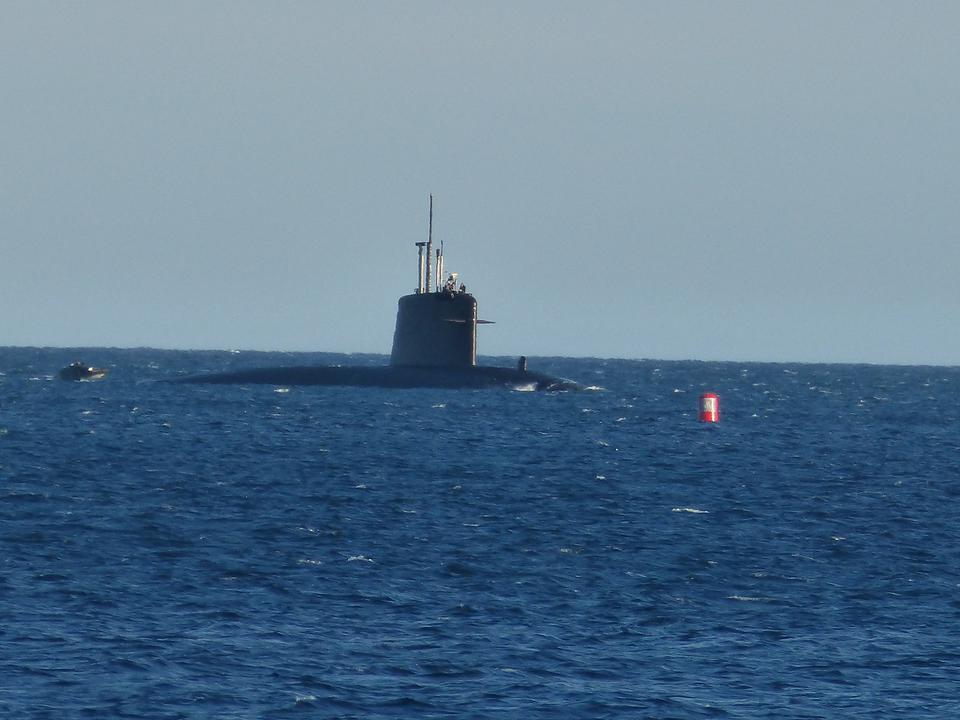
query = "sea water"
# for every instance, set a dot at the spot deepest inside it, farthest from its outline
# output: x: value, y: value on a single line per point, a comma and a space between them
x: 191, y: 551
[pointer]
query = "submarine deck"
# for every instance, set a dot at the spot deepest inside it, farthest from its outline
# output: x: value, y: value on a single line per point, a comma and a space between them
x: 475, y: 377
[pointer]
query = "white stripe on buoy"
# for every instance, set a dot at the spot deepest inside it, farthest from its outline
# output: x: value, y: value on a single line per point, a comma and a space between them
x: 709, y: 407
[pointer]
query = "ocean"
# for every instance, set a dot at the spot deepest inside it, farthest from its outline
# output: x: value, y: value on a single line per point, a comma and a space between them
x: 191, y: 551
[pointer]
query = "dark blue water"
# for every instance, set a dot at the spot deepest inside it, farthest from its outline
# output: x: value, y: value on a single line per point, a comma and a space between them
x: 173, y: 551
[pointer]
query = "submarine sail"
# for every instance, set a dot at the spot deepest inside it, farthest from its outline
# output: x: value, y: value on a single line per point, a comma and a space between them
x: 436, y: 330
x: 436, y: 327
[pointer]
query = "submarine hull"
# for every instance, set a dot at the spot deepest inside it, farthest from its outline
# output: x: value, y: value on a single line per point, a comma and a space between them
x: 473, y: 377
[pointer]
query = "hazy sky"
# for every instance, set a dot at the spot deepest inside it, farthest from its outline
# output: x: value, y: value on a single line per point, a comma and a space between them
x: 715, y: 180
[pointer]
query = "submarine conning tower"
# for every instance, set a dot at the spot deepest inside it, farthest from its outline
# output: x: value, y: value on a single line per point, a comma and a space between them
x: 436, y: 325
x: 436, y: 329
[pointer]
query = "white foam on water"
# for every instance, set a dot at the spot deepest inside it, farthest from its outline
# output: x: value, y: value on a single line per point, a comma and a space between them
x: 359, y: 558
x: 695, y: 511
x: 528, y: 387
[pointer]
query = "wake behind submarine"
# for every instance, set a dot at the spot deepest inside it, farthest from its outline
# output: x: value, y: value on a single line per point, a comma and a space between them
x: 434, y: 345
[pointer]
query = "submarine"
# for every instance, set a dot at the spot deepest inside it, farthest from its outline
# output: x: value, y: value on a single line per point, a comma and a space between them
x: 434, y: 345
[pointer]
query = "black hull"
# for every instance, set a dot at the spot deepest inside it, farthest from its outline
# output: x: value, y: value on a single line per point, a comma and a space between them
x: 475, y: 377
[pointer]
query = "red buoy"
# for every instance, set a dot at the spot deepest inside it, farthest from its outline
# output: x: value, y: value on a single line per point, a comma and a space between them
x: 709, y: 407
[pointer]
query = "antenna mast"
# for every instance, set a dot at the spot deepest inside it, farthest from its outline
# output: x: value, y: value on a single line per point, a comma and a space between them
x: 441, y: 277
x: 430, y: 246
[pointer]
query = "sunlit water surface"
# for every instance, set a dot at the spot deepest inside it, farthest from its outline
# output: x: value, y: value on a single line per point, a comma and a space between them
x: 190, y: 551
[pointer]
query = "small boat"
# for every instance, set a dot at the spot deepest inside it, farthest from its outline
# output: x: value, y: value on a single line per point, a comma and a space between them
x: 78, y: 371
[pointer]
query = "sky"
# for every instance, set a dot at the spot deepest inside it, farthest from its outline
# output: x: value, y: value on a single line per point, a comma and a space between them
x: 747, y: 181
